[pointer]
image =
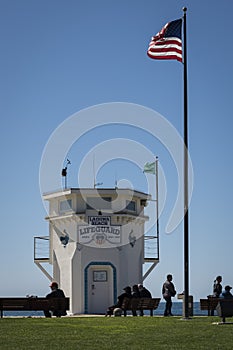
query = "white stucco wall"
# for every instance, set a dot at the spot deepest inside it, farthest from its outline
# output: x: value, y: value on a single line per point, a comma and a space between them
x: 70, y: 261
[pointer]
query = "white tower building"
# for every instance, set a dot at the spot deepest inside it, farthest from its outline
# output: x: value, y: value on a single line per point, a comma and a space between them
x: 96, y: 244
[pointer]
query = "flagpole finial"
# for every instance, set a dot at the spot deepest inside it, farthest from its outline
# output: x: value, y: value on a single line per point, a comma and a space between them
x: 184, y: 9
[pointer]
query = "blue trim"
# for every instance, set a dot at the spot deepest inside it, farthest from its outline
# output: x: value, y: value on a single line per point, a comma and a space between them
x: 100, y: 263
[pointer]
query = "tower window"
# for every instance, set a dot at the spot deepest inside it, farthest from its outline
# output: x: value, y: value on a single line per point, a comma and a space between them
x: 98, y: 203
x: 131, y: 205
x: 65, y: 205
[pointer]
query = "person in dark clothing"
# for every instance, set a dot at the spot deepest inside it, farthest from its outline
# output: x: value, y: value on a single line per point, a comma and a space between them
x: 144, y: 293
x: 55, y: 293
x: 135, y: 294
x: 120, y: 298
x: 135, y: 291
x: 217, y: 289
x: 168, y: 291
x: 226, y: 294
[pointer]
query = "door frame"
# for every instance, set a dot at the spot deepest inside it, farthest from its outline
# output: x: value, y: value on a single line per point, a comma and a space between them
x: 98, y: 263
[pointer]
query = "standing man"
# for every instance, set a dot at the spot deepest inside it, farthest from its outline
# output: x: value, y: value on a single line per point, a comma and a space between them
x: 168, y: 292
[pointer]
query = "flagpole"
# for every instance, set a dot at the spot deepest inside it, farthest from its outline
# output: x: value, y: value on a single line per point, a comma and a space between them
x: 186, y: 216
x: 157, y: 201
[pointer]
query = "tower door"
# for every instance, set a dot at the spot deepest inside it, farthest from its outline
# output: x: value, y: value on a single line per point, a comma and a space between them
x: 100, y: 288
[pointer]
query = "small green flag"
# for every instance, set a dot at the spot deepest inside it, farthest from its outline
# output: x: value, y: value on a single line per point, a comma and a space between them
x: 149, y: 168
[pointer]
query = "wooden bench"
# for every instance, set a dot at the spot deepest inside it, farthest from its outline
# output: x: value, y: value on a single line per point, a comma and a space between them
x: 209, y: 304
x: 225, y: 308
x: 33, y: 304
x: 140, y: 304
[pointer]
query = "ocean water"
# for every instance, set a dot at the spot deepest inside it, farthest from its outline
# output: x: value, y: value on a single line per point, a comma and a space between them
x: 176, y: 310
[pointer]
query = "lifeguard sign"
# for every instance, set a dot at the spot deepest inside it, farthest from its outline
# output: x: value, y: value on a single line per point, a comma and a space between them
x: 99, y: 232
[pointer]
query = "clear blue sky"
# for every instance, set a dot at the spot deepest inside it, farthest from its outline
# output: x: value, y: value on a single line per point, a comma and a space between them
x: 58, y: 57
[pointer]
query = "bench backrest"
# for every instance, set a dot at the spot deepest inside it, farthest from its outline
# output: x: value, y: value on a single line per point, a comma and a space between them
x: 208, y: 304
x: 148, y: 303
x: 16, y: 304
x: 140, y: 303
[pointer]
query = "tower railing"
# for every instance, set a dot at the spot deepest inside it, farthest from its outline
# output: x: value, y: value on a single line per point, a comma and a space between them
x: 151, y: 248
x: 42, y: 248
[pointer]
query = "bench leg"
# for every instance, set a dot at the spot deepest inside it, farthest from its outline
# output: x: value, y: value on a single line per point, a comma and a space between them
x: 151, y: 312
x: 223, y: 319
x: 125, y: 313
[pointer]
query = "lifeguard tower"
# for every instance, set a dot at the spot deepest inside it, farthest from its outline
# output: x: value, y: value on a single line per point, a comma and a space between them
x: 96, y: 244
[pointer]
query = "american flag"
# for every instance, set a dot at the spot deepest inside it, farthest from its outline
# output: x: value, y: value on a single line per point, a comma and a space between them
x: 167, y: 44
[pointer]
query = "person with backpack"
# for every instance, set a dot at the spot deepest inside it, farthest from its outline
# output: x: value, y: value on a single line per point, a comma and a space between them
x: 168, y: 291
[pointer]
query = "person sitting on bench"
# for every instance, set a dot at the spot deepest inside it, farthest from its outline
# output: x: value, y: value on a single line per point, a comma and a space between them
x: 120, y: 298
x: 55, y: 293
x: 226, y: 294
x: 144, y: 293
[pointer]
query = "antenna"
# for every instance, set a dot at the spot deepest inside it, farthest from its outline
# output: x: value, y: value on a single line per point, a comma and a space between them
x: 116, y: 179
x: 94, y: 170
x: 94, y: 182
x: 98, y: 184
x: 64, y: 171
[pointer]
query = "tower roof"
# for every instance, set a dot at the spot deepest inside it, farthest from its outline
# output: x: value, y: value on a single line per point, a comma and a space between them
x: 126, y: 192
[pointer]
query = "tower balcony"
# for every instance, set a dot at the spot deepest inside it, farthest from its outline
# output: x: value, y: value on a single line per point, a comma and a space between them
x: 151, y: 249
x: 42, y: 249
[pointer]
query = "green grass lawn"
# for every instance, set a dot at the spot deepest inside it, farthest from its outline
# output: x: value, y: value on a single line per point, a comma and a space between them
x: 115, y: 333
